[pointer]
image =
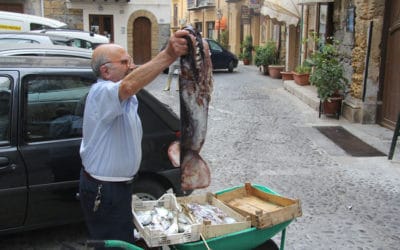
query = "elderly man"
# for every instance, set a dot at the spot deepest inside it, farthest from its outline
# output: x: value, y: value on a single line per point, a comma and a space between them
x: 112, y: 134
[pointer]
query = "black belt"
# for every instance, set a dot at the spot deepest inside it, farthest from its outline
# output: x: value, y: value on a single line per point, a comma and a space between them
x: 89, y: 177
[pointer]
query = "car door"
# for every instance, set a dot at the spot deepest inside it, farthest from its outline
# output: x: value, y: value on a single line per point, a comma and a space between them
x: 13, y: 180
x: 51, y: 134
x: 219, y: 58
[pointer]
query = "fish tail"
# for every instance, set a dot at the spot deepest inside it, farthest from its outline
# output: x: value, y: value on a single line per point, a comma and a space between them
x: 195, y: 171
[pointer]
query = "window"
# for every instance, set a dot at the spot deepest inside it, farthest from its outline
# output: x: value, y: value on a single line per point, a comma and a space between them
x: 210, y: 30
x: 5, y: 108
x: 325, y: 22
x: 103, y: 25
x: 199, y: 26
x: 54, y: 106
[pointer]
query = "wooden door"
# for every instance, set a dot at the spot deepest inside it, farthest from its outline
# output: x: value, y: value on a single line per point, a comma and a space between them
x: 391, y: 83
x: 141, y: 40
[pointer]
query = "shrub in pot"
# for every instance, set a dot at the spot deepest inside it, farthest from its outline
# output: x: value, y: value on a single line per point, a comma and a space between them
x: 247, y: 48
x: 265, y: 55
x: 328, y: 76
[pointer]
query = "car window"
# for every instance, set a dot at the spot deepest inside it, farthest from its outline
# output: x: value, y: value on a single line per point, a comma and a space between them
x: 38, y: 26
x: 5, y: 108
x: 79, y: 43
x: 214, y: 46
x: 54, y: 106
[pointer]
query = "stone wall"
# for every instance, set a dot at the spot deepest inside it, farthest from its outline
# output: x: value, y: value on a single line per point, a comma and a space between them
x: 58, y: 10
x: 366, y: 11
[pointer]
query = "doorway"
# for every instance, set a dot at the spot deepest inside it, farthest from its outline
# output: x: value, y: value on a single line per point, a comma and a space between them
x: 141, y: 40
x: 391, y: 82
x: 103, y: 25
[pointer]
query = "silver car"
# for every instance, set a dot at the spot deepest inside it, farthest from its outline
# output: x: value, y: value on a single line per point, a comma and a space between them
x: 25, y: 49
x: 69, y: 38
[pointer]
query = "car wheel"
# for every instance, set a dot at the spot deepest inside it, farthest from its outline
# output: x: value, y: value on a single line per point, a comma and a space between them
x: 230, y: 66
x: 148, y: 189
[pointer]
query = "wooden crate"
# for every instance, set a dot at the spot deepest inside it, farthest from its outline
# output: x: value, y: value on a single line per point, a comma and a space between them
x: 210, y: 231
x: 265, y: 209
x: 156, y: 238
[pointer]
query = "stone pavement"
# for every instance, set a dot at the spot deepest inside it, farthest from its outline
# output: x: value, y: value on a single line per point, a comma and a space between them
x: 373, y: 134
x: 260, y: 132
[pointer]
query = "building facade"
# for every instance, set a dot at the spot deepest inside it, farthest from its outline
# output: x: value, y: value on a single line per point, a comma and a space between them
x: 369, y: 32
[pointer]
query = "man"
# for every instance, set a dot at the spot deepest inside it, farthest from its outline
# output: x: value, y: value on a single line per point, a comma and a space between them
x: 112, y: 134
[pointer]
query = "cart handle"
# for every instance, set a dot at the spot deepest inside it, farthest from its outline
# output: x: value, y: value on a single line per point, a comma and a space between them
x: 112, y: 243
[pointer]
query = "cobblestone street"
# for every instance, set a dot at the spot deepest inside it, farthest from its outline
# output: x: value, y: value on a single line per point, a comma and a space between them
x: 260, y: 133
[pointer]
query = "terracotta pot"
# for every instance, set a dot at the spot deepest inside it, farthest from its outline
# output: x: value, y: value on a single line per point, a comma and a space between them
x: 246, y: 61
x: 275, y: 71
x: 332, y: 107
x: 301, y: 79
x: 287, y: 75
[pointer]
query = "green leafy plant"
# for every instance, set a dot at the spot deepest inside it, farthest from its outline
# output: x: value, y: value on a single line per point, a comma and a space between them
x: 266, y: 55
x: 303, y: 69
x: 247, y: 48
x: 328, y: 72
x: 224, y: 39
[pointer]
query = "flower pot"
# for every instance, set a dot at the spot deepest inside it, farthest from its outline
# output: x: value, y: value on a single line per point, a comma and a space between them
x: 332, y: 106
x: 287, y: 75
x: 246, y: 61
x: 301, y: 79
x: 275, y: 71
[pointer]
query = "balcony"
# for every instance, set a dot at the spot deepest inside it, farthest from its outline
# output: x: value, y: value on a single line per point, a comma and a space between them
x: 200, y: 4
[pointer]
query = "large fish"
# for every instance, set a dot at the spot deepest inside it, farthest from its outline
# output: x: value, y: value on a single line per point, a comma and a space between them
x: 195, y: 87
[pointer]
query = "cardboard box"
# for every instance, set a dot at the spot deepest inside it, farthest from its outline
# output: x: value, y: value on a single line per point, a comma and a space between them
x: 213, y: 230
x: 156, y: 238
x: 265, y: 209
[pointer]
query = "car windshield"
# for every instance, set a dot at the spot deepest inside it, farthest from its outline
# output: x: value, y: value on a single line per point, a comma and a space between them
x: 214, y: 46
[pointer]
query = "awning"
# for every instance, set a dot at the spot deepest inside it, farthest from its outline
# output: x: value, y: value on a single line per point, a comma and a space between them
x: 287, y: 11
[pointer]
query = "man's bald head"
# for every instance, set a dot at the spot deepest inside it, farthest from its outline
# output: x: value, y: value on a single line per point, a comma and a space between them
x: 103, y: 54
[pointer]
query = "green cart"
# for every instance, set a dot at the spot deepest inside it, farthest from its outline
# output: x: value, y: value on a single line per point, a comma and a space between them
x: 251, y: 238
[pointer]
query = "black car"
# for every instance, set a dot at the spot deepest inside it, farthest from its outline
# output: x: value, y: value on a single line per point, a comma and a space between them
x: 41, y: 108
x: 221, y: 58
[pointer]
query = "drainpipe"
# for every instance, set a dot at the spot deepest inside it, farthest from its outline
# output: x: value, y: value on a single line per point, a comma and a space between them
x: 371, y: 24
x: 41, y: 8
x: 301, y: 34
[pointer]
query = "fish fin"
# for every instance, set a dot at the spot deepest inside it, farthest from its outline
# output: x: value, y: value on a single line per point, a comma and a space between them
x: 174, y: 153
x: 195, y: 172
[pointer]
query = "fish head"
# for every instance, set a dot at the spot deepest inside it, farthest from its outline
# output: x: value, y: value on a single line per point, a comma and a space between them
x: 192, y: 64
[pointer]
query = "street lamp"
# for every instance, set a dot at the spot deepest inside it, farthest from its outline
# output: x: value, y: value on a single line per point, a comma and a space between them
x: 219, y: 16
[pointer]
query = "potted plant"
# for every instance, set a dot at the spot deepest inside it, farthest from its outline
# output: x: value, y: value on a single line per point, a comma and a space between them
x: 247, y: 48
x: 287, y: 75
x: 301, y: 74
x: 265, y: 55
x: 328, y: 78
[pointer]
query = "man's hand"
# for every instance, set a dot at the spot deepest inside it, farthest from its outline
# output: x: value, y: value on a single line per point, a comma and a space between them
x: 177, y: 45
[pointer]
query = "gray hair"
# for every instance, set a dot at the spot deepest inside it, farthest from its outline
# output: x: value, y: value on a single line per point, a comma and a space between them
x: 97, y: 62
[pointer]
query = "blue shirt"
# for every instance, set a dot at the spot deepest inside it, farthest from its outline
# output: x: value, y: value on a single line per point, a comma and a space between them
x: 112, y: 133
